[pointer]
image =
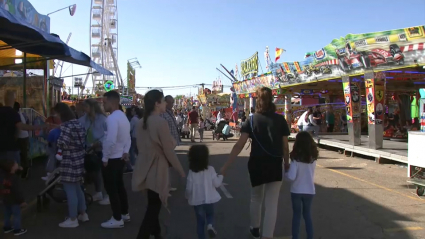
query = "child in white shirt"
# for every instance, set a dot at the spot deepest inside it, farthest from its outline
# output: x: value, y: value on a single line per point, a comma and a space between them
x: 201, y: 192
x: 301, y: 173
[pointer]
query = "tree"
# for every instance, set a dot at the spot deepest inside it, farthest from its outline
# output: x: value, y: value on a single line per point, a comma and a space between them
x: 178, y: 97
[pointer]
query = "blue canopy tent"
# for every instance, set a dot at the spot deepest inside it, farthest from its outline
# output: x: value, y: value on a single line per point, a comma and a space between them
x: 20, y: 35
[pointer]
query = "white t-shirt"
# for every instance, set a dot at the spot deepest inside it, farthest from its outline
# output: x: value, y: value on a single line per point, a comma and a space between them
x: 301, y: 176
x: 22, y: 133
x: 201, y: 187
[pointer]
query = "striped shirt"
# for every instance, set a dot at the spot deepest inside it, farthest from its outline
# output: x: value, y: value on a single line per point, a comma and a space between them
x: 172, y: 124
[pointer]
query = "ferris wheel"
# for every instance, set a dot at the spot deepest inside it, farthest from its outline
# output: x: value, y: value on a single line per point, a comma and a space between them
x: 104, y: 44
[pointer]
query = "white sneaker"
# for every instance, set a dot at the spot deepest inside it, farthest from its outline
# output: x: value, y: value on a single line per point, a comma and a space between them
x: 211, y: 231
x: 98, y: 197
x: 83, y: 218
x: 46, y: 177
x: 126, y: 218
x: 68, y: 223
x: 173, y: 189
x: 112, y: 223
x: 105, y: 201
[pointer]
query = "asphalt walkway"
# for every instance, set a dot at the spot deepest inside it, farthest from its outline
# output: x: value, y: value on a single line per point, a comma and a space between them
x: 356, y: 198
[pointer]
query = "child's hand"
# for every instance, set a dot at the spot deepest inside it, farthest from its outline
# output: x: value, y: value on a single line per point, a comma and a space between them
x: 287, y: 166
x: 24, y: 204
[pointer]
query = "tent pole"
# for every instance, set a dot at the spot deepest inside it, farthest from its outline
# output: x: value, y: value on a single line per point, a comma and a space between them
x: 24, y: 88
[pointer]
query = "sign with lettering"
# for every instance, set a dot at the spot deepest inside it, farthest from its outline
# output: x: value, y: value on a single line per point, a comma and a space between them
x: 250, y: 65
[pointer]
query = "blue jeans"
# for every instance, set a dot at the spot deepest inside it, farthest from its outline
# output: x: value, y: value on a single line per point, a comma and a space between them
x: 133, y: 151
x: 301, y: 203
x: 75, y: 199
x: 15, y: 211
x: 204, y: 211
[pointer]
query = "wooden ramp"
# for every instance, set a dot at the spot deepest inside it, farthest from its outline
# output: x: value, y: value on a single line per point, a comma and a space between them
x: 392, y: 150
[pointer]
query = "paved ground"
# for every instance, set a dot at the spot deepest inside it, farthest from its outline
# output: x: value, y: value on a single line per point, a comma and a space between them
x: 356, y: 198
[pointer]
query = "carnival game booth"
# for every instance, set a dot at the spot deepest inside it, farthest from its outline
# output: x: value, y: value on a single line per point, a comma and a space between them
x: 26, y: 44
x: 367, y: 76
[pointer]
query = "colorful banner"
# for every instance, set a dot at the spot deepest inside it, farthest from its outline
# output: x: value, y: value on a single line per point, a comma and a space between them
x: 251, y: 85
x: 352, y: 55
x: 24, y: 10
x: 131, y: 78
x: 250, y: 65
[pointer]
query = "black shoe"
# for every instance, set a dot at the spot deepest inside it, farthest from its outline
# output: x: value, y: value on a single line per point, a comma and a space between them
x: 255, y: 232
x: 211, y: 231
x: 7, y: 229
x: 19, y: 232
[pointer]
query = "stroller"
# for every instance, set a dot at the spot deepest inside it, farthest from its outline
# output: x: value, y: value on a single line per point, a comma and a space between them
x: 54, y: 190
x: 185, y: 132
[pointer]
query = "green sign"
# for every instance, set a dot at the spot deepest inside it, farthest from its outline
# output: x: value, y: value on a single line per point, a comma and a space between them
x: 109, y: 85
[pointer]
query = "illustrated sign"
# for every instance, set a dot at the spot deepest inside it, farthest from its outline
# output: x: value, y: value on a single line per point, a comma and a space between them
x: 352, y: 55
x: 375, y: 93
x: 352, y: 100
x: 24, y: 10
x: 250, y: 65
x: 251, y: 85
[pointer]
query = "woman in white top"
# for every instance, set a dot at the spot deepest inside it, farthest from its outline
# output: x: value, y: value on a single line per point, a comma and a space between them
x: 301, y: 173
x: 311, y: 125
x: 201, y: 192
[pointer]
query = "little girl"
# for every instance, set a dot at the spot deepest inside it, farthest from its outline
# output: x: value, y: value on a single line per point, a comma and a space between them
x: 13, y: 198
x: 301, y: 173
x: 201, y: 128
x: 201, y: 192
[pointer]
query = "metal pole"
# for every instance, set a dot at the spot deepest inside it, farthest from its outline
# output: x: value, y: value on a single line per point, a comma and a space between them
x: 24, y: 87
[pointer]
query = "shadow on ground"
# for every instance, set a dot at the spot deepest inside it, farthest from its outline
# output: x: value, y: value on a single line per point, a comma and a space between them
x: 337, y: 213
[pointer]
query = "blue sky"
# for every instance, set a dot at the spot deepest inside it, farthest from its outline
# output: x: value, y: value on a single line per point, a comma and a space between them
x: 181, y: 42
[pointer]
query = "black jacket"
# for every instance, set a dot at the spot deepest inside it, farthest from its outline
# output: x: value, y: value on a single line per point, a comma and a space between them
x: 10, y: 189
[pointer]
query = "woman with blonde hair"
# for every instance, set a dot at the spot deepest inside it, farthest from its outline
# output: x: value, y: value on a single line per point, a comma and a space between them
x: 94, y: 122
x: 269, y: 133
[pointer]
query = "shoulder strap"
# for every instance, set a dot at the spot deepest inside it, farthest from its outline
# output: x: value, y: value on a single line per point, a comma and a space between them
x: 255, y: 137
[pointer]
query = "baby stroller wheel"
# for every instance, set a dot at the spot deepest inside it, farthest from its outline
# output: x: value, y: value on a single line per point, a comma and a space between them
x: 89, y: 199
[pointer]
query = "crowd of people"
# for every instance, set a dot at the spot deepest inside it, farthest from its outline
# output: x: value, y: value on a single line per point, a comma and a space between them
x: 143, y: 141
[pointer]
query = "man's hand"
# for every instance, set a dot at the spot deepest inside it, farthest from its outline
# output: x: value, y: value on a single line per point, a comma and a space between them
x: 125, y: 157
x: 105, y: 164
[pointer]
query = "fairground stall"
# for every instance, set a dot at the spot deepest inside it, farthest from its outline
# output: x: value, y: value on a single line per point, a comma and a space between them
x: 370, y: 81
x: 26, y: 43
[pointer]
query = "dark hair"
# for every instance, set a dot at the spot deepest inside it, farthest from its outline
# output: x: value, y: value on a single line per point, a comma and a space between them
x: 64, y: 112
x: 193, y: 107
x: 265, y: 101
x: 139, y: 112
x: 120, y: 107
x: 252, y: 110
x: 6, y: 165
x: 151, y: 98
x: 305, y: 149
x: 198, y: 158
x: 168, y: 97
x: 201, y: 119
x: 16, y: 106
x: 112, y: 95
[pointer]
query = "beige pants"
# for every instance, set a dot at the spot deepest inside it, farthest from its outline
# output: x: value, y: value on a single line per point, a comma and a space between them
x: 193, y: 129
x: 270, y: 194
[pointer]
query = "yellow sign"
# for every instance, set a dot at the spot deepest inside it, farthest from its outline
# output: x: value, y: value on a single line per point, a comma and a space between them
x: 250, y: 65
